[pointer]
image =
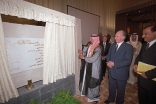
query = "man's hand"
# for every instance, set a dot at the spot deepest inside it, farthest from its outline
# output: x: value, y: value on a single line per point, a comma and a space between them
x: 103, y: 57
x: 110, y: 64
x: 80, y: 51
x: 80, y: 56
x: 142, y: 73
x: 135, y: 68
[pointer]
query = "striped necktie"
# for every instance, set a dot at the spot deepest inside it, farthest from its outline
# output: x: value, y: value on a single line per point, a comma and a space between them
x: 116, y: 48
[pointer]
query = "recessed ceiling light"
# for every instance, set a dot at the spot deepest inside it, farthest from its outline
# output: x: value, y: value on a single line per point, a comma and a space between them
x: 139, y: 10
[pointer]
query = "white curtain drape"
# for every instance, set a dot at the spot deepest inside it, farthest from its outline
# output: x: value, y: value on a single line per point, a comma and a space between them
x: 78, y: 40
x: 7, y: 88
x: 59, y: 47
x: 59, y: 52
x: 23, y: 9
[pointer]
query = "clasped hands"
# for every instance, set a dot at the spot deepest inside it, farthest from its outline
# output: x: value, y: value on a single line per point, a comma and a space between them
x: 110, y: 64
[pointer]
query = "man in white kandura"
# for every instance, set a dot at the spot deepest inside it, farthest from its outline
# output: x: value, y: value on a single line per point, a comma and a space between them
x: 136, y: 49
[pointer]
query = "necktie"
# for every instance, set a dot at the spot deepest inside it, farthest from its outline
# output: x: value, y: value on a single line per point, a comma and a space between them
x: 147, y: 46
x: 116, y: 48
x: 104, y: 46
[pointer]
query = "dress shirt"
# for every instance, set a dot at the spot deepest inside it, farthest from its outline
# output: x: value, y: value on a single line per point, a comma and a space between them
x: 152, y: 42
x: 119, y: 44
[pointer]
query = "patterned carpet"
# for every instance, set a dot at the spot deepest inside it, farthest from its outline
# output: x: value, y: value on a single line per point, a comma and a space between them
x: 130, y: 95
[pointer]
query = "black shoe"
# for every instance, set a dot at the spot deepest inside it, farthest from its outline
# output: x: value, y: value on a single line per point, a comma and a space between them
x: 106, y: 102
x: 95, y: 102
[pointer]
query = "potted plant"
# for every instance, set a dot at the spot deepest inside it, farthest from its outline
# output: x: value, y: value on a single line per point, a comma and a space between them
x: 34, y: 101
x: 64, y: 97
x: 61, y: 97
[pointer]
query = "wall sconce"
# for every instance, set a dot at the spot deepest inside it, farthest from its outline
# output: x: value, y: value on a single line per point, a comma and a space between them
x: 128, y: 30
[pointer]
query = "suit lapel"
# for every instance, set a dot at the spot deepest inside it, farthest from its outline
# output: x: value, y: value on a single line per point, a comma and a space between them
x: 114, y: 51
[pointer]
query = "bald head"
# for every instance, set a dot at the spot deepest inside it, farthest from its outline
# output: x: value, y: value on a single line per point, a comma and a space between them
x: 120, y: 36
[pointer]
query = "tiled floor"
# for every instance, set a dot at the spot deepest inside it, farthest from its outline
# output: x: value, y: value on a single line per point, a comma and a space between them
x: 130, y: 95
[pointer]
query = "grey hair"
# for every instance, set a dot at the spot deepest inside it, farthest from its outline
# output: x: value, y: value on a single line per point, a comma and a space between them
x: 124, y: 34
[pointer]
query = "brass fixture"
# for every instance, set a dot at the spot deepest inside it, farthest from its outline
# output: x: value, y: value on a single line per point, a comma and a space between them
x: 30, y: 85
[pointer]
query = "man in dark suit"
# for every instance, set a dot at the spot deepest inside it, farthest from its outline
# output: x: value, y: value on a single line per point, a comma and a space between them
x: 147, y: 86
x: 105, y: 45
x: 118, y: 60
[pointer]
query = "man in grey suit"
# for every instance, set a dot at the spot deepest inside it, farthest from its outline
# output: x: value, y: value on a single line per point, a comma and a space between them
x: 118, y: 60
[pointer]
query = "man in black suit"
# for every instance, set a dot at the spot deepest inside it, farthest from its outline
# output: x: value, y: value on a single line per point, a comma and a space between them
x: 118, y: 60
x: 105, y: 45
x: 147, y: 86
